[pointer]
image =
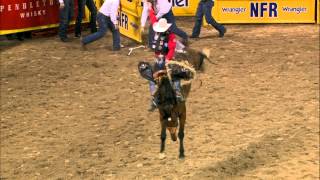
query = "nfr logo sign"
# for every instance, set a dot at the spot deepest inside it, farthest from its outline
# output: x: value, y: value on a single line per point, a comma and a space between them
x: 179, y: 3
x: 123, y: 20
x: 258, y: 9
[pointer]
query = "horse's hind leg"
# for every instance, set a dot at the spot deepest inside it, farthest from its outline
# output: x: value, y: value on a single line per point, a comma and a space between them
x: 163, y: 135
x: 182, y: 121
x: 181, y: 136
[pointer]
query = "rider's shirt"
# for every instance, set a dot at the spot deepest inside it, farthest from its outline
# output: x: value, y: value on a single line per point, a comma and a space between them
x: 160, y: 43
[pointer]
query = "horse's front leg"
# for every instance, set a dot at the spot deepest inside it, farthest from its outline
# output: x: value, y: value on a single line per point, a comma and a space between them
x: 181, y: 149
x: 163, y: 135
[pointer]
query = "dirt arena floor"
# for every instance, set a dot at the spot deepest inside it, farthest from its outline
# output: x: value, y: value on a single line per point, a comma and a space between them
x: 72, y: 114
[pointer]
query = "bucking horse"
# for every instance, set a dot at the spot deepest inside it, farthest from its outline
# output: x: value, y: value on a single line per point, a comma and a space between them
x: 173, y: 113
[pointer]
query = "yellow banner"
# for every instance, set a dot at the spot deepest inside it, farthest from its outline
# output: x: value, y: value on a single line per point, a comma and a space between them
x: 129, y: 24
x: 184, y: 7
x: 318, y: 11
x: 264, y: 11
x: 132, y: 6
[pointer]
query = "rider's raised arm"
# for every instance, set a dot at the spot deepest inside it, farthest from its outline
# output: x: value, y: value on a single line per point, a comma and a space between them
x: 145, y: 13
x: 163, y: 7
x: 171, y: 46
x: 152, y: 16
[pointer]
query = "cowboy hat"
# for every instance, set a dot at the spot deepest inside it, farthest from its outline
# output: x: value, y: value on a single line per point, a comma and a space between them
x: 161, y: 26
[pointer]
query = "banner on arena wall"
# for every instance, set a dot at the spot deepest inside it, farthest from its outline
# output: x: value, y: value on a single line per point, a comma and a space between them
x: 184, y: 7
x: 129, y: 24
x: 318, y: 11
x: 25, y: 15
x: 132, y: 5
x: 264, y: 11
x: 179, y: 7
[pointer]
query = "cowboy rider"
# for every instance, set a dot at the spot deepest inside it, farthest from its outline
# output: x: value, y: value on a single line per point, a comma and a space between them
x: 163, y: 9
x: 164, y: 45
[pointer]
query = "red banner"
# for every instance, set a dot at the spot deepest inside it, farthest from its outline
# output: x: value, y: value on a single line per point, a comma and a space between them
x: 20, y: 14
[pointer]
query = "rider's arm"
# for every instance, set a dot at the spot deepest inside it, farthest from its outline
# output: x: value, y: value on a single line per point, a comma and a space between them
x: 145, y: 13
x: 172, y: 46
x: 114, y: 12
x: 152, y: 16
x: 164, y: 7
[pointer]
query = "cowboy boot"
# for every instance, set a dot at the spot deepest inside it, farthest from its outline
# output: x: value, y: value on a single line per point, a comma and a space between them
x: 153, y: 104
x: 154, y: 99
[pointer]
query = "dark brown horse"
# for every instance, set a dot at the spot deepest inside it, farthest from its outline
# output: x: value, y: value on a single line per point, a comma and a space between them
x: 172, y: 113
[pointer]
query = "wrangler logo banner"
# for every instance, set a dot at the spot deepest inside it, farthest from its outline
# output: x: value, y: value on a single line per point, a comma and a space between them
x: 264, y: 11
x: 184, y: 7
x: 24, y: 15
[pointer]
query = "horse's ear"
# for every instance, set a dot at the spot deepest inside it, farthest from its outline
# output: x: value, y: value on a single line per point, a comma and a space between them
x: 145, y: 70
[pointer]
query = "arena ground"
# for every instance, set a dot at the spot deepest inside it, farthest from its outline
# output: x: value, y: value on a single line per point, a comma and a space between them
x: 72, y: 114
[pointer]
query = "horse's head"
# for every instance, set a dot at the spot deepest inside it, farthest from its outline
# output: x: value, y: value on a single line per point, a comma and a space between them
x: 166, y: 95
x: 167, y: 104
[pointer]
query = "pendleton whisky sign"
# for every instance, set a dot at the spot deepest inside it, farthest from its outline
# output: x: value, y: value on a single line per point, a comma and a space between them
x: 25, y: 15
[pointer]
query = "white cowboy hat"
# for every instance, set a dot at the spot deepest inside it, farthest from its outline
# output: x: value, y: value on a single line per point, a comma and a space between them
x: 161, y: 26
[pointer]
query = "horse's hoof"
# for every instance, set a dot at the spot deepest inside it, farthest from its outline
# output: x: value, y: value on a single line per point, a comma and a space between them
x: 162, y: 156
x: 181, y: 156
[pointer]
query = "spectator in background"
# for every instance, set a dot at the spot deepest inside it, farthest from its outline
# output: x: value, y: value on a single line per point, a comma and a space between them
x: 163, y: 9
x: 205, y: 8
x: 81, y: 11
x: 107, y: 18
x: 66, y: 13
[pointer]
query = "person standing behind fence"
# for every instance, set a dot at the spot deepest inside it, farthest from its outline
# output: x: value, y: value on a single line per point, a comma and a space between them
x: 81, y: 11
x: 163, y: 8
x: 107, y: 18
x: 205, y: 8
x: 66, y: 13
